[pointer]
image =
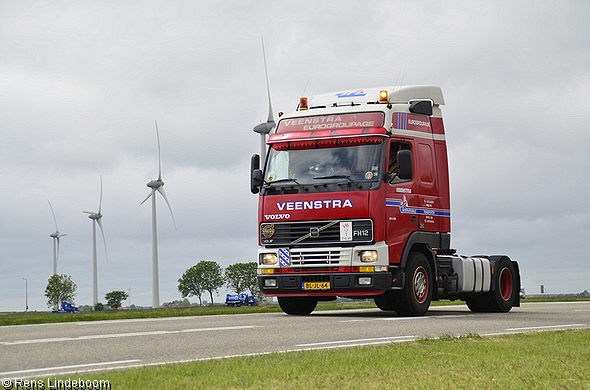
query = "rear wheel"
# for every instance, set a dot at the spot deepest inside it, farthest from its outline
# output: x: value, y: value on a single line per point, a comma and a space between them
x: 477, y: 304
x: 414, y: 299
x: 504, y: 295
x: 297, y: 306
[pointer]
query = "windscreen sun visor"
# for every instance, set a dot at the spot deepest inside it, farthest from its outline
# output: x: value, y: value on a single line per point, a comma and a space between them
x: 334, y: 130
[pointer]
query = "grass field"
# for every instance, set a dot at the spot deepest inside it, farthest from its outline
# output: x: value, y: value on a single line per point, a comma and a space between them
x: 549, y: 360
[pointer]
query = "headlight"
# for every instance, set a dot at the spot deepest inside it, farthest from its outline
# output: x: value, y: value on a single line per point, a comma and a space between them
x: 270, y: 282
x: 269, y: 258
x: 368, y: 256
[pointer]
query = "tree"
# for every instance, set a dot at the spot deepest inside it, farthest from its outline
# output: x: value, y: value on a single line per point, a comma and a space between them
x: 114, y: 298
x: 212, y: 276
x: 190, y: 284
x: 60, y: 288
x: 205, y: 276
x: 241, y: 277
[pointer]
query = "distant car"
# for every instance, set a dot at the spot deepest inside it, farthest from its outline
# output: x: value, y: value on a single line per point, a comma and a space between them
x: 67, y: 307
x: 235, y: 300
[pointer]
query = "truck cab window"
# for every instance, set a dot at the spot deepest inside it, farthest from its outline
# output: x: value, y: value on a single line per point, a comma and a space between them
x: 325, y: 168
x: 392, y: 165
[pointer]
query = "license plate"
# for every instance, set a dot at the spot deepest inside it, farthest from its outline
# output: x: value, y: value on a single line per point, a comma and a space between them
x: 316, y: 286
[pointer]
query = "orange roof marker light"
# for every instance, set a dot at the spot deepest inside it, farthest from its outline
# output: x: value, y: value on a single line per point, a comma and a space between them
x: 383, y: 98
x: 303, y: 103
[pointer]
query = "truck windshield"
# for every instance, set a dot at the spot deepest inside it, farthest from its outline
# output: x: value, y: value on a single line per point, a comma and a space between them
x: 359, y: 164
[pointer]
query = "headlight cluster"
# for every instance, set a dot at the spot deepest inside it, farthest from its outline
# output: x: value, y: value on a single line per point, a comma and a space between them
x: 368, y: 256
x: 269, y: 259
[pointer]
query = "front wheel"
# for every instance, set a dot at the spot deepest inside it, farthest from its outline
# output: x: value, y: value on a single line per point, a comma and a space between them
x: 387, y: 301
x: 297, y: 306
x: 414, y: 299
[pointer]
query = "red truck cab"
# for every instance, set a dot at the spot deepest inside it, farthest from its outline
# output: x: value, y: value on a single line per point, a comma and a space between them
x: 354, y: 202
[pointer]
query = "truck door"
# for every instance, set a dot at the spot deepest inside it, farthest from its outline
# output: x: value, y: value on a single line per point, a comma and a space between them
x: 425, y: 177
x: 401, y: 200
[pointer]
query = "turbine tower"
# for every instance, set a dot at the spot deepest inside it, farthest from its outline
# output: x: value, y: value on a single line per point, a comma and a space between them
x: 56, y: 236
x: 96, y: 219
x: 157, y: 185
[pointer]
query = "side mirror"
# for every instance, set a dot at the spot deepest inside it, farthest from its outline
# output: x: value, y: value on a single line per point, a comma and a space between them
x: 404, y: 164
x: 256, y: 178
x: 423, y: 107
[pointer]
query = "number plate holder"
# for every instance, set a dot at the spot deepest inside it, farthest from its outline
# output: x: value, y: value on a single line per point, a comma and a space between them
x: 315, y: 285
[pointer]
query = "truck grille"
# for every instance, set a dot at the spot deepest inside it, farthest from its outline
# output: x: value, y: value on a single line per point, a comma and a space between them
x: 315, y: 232
x: 319, y: 258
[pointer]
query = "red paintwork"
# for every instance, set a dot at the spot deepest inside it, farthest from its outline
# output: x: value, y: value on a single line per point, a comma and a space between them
x: 391, y: 206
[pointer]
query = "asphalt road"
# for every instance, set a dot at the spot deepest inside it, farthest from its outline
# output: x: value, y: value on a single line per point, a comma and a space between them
x: 47, y: 350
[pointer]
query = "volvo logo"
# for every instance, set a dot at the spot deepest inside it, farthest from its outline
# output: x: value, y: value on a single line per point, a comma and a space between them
x: 314, y: 232
x: 268, y: 231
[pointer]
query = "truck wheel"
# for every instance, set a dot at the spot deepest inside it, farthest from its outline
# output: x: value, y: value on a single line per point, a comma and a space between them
x: 386, y: 302
x: 414, y: 299
x: 477, y: 304
x: 503, y: 297
x: 297, y: 306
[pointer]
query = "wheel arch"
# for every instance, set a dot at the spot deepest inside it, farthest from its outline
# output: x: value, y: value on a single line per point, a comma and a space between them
x: 423, y: 242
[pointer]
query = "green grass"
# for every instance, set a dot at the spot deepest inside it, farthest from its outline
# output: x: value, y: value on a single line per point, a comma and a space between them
x: 20, y: 318
x: 549, y: 360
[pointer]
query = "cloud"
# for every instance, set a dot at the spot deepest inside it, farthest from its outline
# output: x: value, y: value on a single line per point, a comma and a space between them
x: 82, y: 84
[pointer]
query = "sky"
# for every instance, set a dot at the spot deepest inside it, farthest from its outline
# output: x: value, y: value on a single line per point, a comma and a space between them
x: 81, y: 84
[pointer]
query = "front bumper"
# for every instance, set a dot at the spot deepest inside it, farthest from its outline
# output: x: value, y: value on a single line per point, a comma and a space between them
x: 340, y: 284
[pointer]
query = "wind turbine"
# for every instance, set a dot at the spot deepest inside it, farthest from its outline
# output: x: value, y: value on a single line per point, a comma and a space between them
x: 157, y: 185
x: 265, y: 128
x: 96, y: 219
x: 56, y: 236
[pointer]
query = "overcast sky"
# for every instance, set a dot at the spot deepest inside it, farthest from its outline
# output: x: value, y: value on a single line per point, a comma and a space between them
x: 81, y: 84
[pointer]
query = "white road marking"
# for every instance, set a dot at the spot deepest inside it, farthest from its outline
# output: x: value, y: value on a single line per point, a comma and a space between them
x: 61, y: 368
x: 364, y: 341
x: 409, y: 318
x: 130, y: 334
x: 546, y: 327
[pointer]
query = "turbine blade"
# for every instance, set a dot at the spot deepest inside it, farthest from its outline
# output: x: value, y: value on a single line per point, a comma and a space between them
x: 161, y: 191
x: 100, y: 201
x: 159, y: 154
x: 87, y: 212
x: 270, y: 115
x: 151, y: 192
x: 54, y: 220
x: 103, y: 238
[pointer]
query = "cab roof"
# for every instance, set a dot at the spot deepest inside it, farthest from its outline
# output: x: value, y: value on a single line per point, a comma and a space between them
x: 396, y: 95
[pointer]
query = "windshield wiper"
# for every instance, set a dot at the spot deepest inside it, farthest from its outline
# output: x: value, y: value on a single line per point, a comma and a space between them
x: 350, y: 181
x: 334, y: 177
x: 283, y: 181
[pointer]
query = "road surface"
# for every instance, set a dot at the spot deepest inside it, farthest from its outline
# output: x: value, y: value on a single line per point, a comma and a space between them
x: 46, y: 350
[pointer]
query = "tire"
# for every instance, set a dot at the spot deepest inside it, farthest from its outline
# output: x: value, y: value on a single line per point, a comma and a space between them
x: 297, y: 306
x: 505, y: 288
x: 386, y: 302
x: 414, y: 299
x: 477, y: 304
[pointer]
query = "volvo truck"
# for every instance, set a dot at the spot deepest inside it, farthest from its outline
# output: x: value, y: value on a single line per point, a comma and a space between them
x: 354, y: 202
